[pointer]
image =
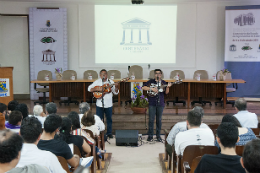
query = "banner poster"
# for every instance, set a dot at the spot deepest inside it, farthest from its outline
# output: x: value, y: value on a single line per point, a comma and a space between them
x: 242, y: 48
x: 4, y: 87
x: 48, y: 42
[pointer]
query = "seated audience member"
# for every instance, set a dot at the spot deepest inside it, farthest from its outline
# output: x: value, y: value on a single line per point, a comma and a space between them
x: 83, y: 108
x: 15, y: 120
x: 30, y: 131
x: 74, y: 118
x: 12, y: 105
x: 38, y: 113
x: 227, y: 161
x: 10, y: 149
x: 246, y: 119
x: 245, y: 134
x: 51, y: 108
x: 251, y: 156
x: 47, y: 142
x: 194, y: 135
x: 88, y: 122
x: 23, y: 109
x: 181, y: 127
x: 65, y: 135
x: 3, y: 111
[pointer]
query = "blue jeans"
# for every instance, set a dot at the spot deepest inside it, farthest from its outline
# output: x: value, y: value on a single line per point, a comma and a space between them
x: 155, y: 111
x: 108, y: 111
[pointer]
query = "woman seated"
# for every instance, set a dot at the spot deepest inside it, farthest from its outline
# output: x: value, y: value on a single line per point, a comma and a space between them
x: 88, y: 122
x: 39, y: 114
x: 74, y: 117
x: 65, y: 135
x: 245, y: 134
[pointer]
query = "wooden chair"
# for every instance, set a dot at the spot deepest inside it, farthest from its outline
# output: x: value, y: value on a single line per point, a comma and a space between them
x: 239, y: 150
x: 93, y: 153
x: 166, y: 133
x: 64, y: 163
x: 194, y: 164
x: 98, y: 144
x: 213, y: 126
x: 256, y: 130
x: 193, y: 151
x: 173, y: 160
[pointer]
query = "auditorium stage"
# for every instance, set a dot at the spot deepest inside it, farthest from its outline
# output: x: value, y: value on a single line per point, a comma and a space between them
x: 123, y: 117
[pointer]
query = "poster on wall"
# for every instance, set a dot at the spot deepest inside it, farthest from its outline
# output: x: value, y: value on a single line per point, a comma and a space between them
x: 4, y: 87
x: 48, y: 42
x: 242, y: 48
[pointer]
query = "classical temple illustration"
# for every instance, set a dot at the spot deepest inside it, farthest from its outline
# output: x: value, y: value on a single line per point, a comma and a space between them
x: 245, y: 19
x: 136, y: 24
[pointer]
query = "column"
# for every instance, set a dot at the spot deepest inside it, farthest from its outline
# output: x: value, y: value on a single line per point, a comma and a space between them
x: 123, y: 39
x: 140, y: 36
x: 42, y: 57
x: 54, y: 57
x: 131, y: 36
x: 148, y: 37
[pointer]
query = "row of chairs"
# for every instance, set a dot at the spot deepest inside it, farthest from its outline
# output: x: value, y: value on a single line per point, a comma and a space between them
x: 192, y: 154
x: 96, y: 163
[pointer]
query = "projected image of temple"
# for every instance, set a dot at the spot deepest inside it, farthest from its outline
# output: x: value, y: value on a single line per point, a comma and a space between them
x: 136, y: 32
x: 245, y: 19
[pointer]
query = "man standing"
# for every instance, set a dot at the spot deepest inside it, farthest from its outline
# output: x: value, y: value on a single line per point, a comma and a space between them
x: 156, y: 103
x: 105, y: 103
x: 246, y: 118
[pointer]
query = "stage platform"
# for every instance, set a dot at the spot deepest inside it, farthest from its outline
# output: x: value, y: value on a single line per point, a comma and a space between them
x: 124, y: 119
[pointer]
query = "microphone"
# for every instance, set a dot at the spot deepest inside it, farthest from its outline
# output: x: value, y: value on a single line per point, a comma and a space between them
x: 157, y: 78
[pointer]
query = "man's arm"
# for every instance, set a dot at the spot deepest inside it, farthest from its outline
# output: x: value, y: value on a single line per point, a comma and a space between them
x: 172, y: 135
x: 74, y: 161
x: 92, y: 89
x: 146, y: 88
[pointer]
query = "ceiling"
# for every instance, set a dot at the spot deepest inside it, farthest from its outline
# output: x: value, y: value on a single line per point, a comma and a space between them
x: 112, y: 2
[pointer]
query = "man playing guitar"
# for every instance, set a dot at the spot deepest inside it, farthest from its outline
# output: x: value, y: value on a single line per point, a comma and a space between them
x: 105, y: 103
x: 156, y: 103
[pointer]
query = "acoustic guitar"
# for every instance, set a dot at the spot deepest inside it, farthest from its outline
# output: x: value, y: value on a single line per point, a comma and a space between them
x: 151, y: 93
x: 107, y: 88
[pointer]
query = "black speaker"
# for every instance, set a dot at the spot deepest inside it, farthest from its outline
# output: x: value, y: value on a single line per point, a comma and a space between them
x: 127, y: 137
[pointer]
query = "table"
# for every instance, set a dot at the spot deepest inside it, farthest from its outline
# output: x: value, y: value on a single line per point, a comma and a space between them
x: 188, y: 88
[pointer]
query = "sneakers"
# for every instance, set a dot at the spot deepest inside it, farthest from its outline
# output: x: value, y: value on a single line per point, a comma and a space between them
x: 159, y: 139
x: 149, y: 139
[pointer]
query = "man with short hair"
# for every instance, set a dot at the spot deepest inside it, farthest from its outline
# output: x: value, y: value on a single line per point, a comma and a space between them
x: 15, y: 120
x: 251, y: 156
x: 31, y: 130
x: 57, y: 147
x: 10, y: 149
x: 51, y: 108
x: 156, y: 103
x: 12, y: 105
x: 246, y: 118
x: 227, y: 161
x: 104, y: 105
x: 181, y: 127
x: 194, y: 135
x: 83, y: 108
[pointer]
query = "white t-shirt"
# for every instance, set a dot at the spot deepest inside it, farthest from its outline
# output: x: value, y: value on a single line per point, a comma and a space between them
x: 93, y: 128
x: 30, y: 154
x: 108, y: 102
x: 247, y: 119
x: 196, y: 136
x: 98, y: 122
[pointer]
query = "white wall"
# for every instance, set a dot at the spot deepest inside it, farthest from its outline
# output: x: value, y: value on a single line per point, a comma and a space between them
x: 200, y: 35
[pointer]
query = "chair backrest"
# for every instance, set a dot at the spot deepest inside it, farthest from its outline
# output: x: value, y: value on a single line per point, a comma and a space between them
x: 92, y: 72
x: 213, y: 126
x: 256, y: 131
x: 76, y: 150
x: 117, y: 74
x: 228, y: 76
x: 203, y: 74
x: 195, y: 163
x: 193, y: 151
x: 93, y: 153
x: 66, y: 75
x: 239, y: 150
x: 64, y: 163
x: 180, y: 73
x: 41, y: 76
x: 137, y: 70
x: 151, y: 75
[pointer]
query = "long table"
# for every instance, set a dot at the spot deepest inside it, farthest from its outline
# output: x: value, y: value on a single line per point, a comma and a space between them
x: 187, y: 89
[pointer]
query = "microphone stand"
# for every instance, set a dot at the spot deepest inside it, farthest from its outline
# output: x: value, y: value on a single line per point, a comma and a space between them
x: 103, y: 98
x: 158, y: 97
